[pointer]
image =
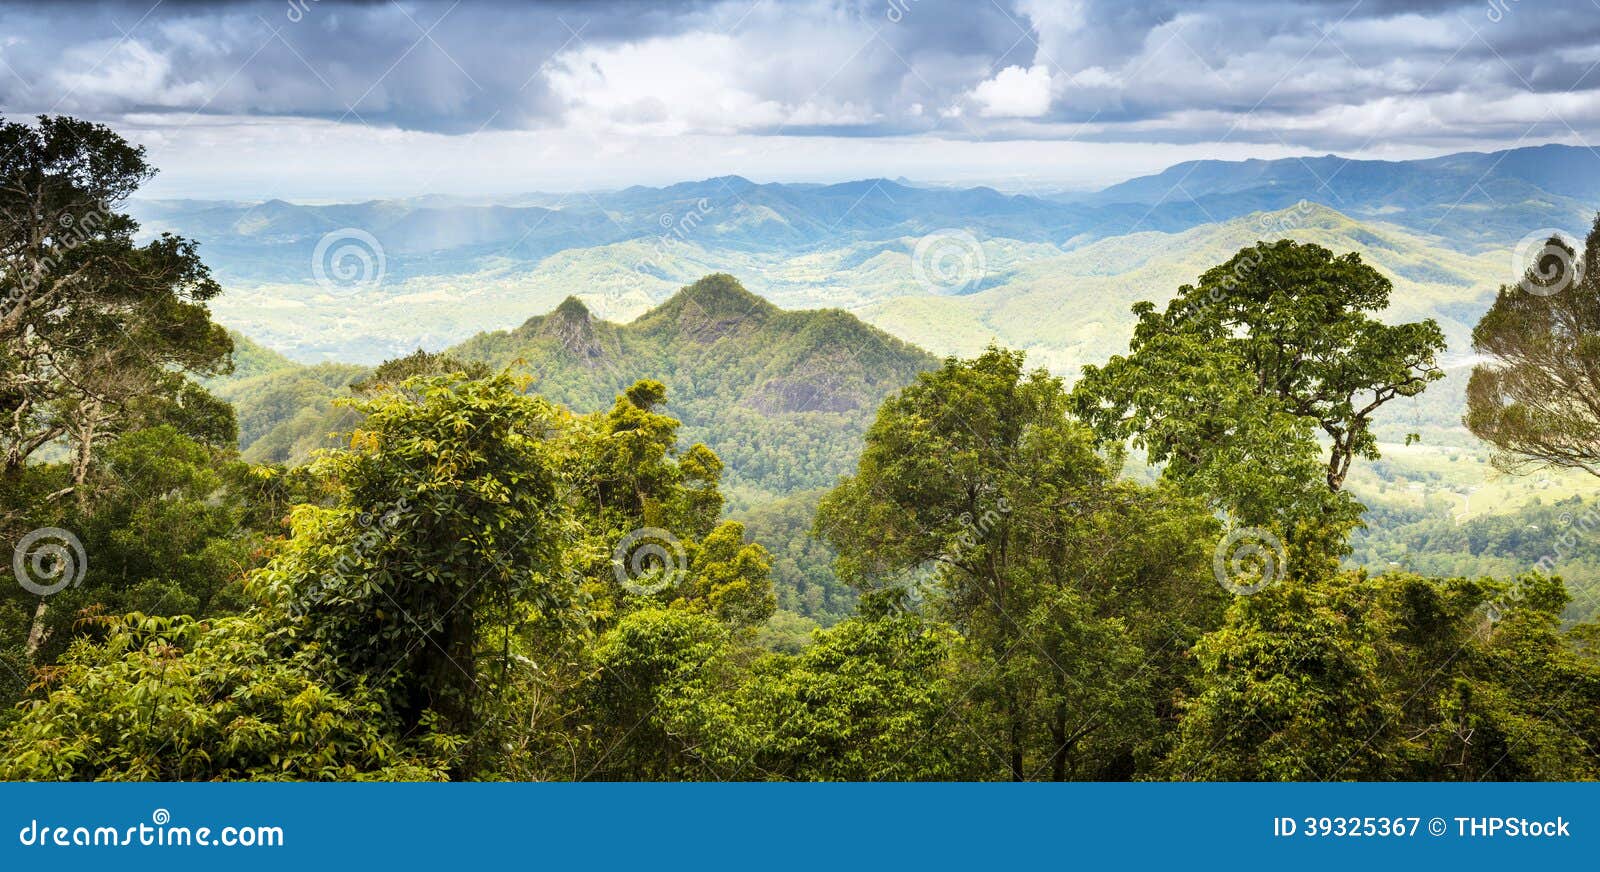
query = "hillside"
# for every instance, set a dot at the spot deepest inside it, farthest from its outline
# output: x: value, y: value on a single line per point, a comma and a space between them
x: 783, y: 397
x: 284, y: 409
x: 1073, y: 308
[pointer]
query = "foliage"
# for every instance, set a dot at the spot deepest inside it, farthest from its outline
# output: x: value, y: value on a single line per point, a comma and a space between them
x: 976, y: 474
x: 456, y: 598
x: 97, y: 333
x: 168, y: 530
x: 1393, y: 677
x: 446, y: 517
x: 802, y: 564
x: 868, y: 700
x: 177, y: 699
x: 1537, y: 399
x: 1247, y: 376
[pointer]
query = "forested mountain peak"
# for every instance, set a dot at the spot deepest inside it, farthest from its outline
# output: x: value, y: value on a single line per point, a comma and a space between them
x: 571, y: 325
x: 707, y: 310
x: 573, y: 310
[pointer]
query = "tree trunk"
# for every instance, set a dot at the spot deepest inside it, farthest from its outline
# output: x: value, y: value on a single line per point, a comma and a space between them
x: 1058, y: 740
x: 36, y: 632
x: 84, y: 453
x: 1014, y: 737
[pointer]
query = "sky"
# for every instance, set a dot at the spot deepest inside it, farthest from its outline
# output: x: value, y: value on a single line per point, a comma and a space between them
x: 321, y: 100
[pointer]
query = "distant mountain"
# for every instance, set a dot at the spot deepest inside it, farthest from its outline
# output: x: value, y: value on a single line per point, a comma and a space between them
x: 1474, y: 199
x: 432, y: 271
x: 1073, y: 308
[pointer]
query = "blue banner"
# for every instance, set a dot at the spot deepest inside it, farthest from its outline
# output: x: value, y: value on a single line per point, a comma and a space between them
x: 793, y: 826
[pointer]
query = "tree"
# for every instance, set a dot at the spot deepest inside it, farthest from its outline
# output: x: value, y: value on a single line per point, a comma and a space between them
x: 976, y: 474
x: 1510, y: 702
x: 93, y: 328
x: 391, y: 373
x: 729, y: 578
x: 1537, y: 399
x: 1394, y: 677
x: 1233, y: 384
x: 1292, y: 689
x: 97, y: 334
x: 639, y: 500
x: 446, y: 517
x: 167, y: 529
x: 649, y: 662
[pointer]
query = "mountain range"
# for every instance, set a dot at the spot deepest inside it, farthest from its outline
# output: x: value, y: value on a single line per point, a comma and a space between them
x: 439, y: 269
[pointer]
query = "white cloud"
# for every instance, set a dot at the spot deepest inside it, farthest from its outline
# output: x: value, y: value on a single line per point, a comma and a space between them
x: 1015, y: 92
x: 662, y: 86
x: 129, y: 72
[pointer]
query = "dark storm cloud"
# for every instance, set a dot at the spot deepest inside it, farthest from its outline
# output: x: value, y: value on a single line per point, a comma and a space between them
x: 1320, y: 73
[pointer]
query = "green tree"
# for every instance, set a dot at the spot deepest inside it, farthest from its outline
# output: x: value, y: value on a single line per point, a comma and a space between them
x: 446, y: 517
x: 623, y: 476
x: 1537, y: 399
x: 95, y: 330
x: 1291, y: 689
x: 98, y: 334
x: 872, y: 699
x: 976, y: 474
x: 391, y: 373
x: 1233, y: 385
x: 1393, y: 677
x: 167, y: 531
x: 647, y: 664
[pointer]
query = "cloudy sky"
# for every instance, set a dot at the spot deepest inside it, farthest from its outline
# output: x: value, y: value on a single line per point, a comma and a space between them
x: 321, y: 100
